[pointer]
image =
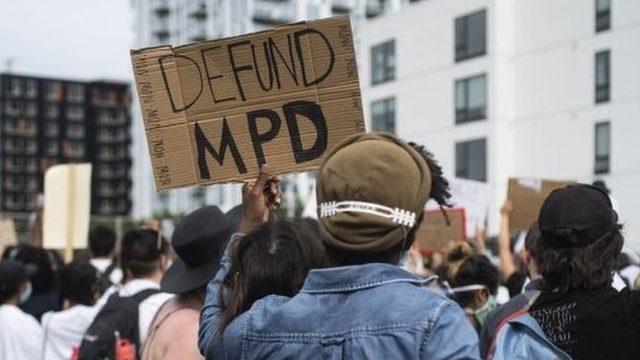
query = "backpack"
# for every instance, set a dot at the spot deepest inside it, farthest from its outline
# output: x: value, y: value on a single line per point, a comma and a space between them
x: 521, y: 337
x: 115, y: 326
x: 104, y: 278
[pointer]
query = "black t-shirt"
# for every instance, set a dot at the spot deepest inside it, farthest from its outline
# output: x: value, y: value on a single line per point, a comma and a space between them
x: 598, y: 324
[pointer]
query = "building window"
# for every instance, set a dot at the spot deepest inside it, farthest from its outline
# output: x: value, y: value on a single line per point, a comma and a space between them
x: 471, y: 35
x: 75, y: 93
x: 75, y: 113
x: 602, y: 147
x: 603, y: 15
x: 471, y: 99
x: 471, y: 160
x: 603, y: 75
x: 383, y: 115
x: 383, y: 62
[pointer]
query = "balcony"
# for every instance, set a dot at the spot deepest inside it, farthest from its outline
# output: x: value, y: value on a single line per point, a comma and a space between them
x: 342, y: 6
x: 75, y: 113
x: 160, y: 27
x: 274, y: 13
x: 161, y: 7
x: 197, y: 10
x: 197, y: 31
x: 374, y: 9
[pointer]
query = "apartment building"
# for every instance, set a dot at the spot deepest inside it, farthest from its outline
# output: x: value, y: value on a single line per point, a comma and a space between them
x: 501, y: 88
x: 55, y: 121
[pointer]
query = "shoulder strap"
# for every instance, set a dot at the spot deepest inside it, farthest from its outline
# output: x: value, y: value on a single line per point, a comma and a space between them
x: 107, y: 272
x: 145, y: 294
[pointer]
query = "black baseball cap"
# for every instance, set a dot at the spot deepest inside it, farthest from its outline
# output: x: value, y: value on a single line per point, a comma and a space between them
x: 584, y: 208
x: 12, y: 274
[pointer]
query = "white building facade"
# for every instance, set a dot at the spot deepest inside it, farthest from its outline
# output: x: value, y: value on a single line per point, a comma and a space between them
x: 502, y: 88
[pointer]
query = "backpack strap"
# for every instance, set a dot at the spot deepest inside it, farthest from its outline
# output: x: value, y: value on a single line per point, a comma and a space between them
x: 145, y: 294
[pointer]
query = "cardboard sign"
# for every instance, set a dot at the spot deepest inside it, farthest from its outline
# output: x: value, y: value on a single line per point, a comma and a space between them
x: 527, y: 196
x: 215, y: 111
x: 67, y: 206
x: 434, y: 234
x: 7, y: 233
x: 473, y: 197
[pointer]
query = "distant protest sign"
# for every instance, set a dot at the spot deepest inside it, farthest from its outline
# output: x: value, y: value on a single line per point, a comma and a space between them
x: 435, y: 234
x: 527, y: 196
x: 67, y: 207
x: 215, y: 111
x: 7, y: 233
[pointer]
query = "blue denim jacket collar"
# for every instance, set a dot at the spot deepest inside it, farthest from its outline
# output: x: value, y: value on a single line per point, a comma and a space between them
x: 356, y: 277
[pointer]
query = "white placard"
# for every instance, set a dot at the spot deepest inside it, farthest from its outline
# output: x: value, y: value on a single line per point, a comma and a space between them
x: 67, y: 206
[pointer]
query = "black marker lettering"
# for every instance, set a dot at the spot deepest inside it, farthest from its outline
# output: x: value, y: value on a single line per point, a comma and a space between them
x: 226, y: 141
x: 297, y: 35
x: 209, y: 77
x: 269, y: 66
x: 236, y: 69
x: 258, y: 139
x: 273, y: 49
x: 313, y: 112
x: 174, y: 107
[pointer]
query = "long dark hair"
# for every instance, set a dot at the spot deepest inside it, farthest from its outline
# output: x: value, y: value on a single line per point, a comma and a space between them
x: 274, y: 259
x: 577, y: 268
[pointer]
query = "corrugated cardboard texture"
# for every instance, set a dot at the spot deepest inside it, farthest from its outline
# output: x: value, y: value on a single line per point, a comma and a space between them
x: 434, y: 234
x: 215, y: 111
x: 527, y: 196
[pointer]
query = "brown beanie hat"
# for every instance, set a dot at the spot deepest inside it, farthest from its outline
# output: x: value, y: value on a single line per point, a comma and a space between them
x: 371, y: 190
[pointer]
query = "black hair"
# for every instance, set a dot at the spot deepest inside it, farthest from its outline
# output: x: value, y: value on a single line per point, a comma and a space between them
x: 440, y: 192
x: 79, y: 283
x: 102, y: 241
x: 45, y: 262
x: 532, y: 239
x: 577, y: 268
x: 141, y: 251
x: 466, y: 268
x: 273, y: 259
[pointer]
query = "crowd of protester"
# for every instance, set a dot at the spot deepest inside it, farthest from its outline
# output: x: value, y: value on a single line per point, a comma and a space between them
x: 352, y: 284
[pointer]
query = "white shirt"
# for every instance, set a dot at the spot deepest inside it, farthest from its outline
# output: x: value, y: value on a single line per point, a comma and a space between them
x: 148, y: 308
x: 63, y: 330
x: 102, y: 264
x: 20, y: 334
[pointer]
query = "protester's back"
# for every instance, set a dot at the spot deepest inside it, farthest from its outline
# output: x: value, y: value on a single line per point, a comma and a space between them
x: 578, y: 309
x: 20, y: 333
x: 372, y: 189
x: 63, y: 330
x: 102, y: 245
x: 126, y: 316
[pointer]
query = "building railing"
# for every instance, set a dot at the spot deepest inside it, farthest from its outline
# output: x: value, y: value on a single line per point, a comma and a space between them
x: 274, y: 13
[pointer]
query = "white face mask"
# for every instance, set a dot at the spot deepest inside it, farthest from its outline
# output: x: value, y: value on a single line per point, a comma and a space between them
x: 26, y: 294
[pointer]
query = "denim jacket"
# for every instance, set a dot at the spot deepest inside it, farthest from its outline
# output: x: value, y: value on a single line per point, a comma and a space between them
x: 371, y: 311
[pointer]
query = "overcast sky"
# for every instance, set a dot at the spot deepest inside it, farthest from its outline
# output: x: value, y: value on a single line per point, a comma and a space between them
x: 80, y: 39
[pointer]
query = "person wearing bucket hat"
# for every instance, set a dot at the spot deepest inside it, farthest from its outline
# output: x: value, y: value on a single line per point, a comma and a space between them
x: 198, y: 241
x: 371, y: 191
x: 579, y: 310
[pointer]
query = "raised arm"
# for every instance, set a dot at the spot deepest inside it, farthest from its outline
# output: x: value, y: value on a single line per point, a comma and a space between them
x: 257, y: 197
x: 507, y: 267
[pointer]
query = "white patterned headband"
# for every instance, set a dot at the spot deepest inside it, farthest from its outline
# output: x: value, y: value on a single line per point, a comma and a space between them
x: 396, y: 215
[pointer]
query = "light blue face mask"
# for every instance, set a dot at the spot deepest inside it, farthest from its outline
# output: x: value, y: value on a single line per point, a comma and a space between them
x: 483, y: 312
x: 26, y: 294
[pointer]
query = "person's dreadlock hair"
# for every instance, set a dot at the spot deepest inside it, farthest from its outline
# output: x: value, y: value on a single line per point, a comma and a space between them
x: 439, y: 184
